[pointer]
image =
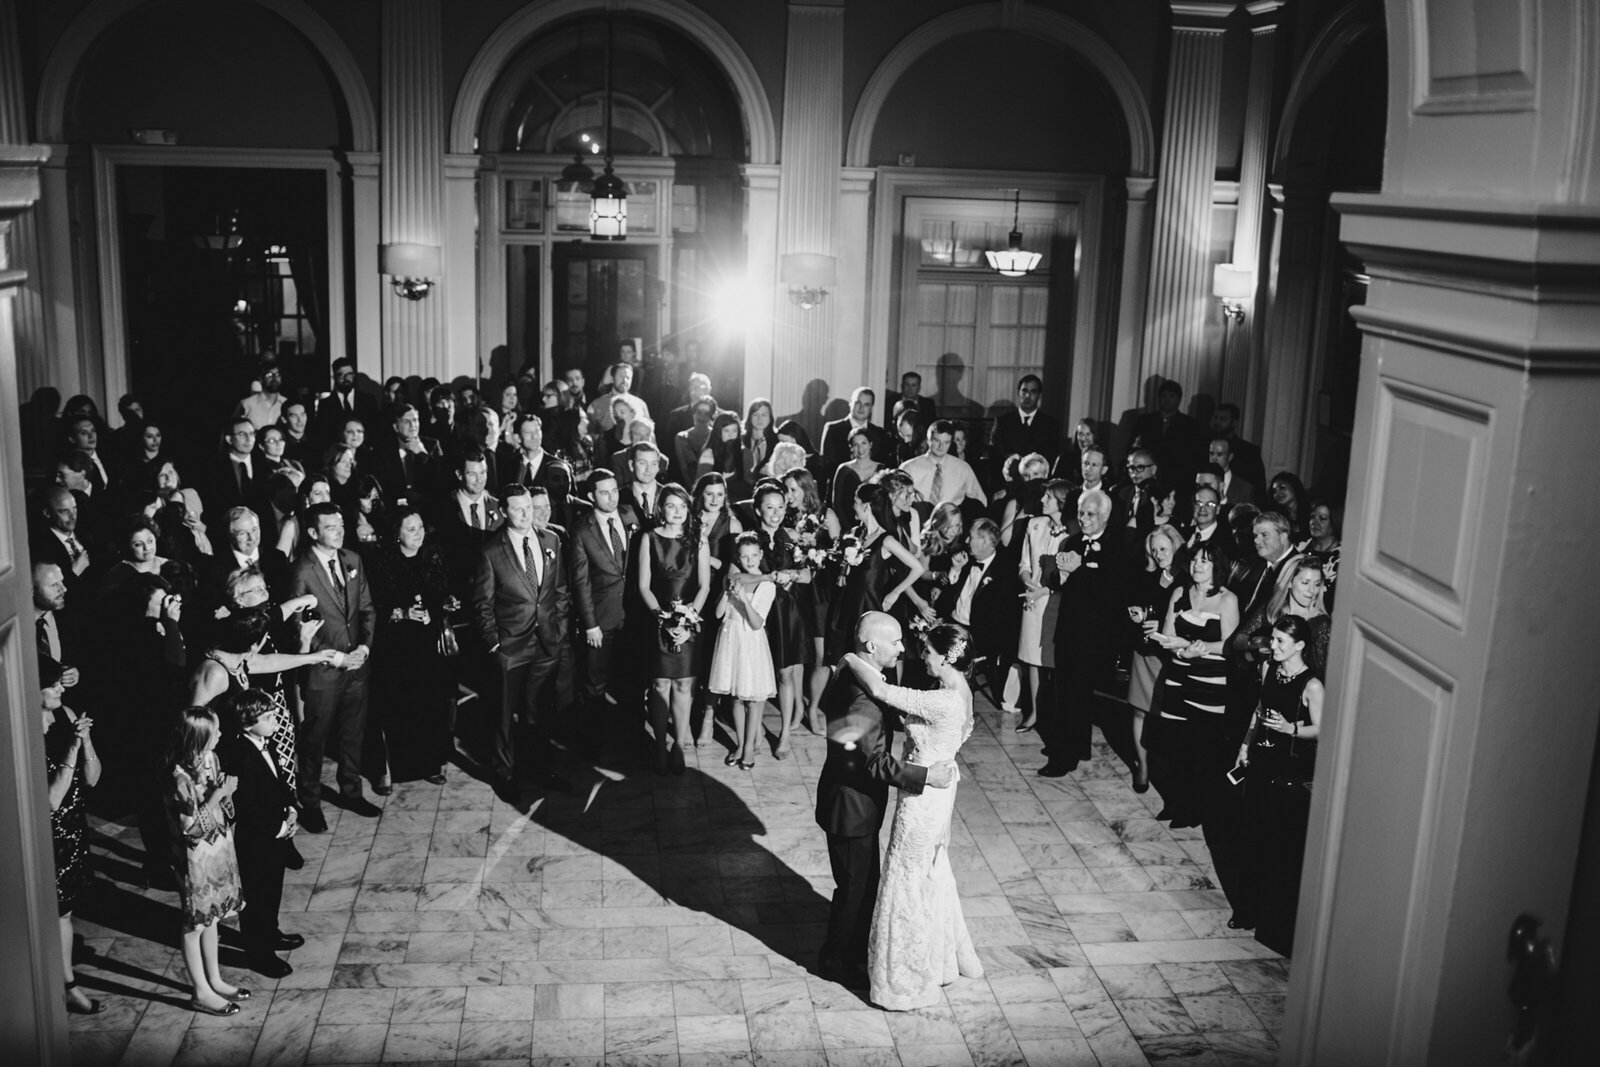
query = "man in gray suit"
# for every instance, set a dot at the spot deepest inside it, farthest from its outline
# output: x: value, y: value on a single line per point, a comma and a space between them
x: 520, y: 599
x: 336, y: 694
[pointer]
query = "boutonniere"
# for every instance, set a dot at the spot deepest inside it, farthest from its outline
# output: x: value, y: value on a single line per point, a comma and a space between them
x: 986, y: 580
x: 351, y: 573
x: 549, y: 553
x: 633, y: 527
x: 1092, y: 546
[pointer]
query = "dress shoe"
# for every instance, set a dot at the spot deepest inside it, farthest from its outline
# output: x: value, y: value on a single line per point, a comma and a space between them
x: 269, y: 966
x: 292, y: 860
x: 312, y: 821
x: 1054, y: 769
x: 240, y: 995
x: 230, y: 1008
x: 550, y: 781
x: 1164, y: 814
x: 1236, y: 923
x: 289, y: 942
x: 363, y: 807
x: 1184, y: 822
x: 435, y: 779
x: 383, y: 789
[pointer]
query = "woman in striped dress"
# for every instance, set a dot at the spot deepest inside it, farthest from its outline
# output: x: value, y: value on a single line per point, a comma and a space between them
x: 1201, y: 617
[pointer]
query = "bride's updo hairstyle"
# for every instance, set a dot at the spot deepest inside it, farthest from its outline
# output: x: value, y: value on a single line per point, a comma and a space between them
x: 952, y: 641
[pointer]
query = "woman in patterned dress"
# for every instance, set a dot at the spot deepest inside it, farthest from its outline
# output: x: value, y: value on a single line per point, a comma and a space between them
x: 72, y: 767
x: 200, y: 814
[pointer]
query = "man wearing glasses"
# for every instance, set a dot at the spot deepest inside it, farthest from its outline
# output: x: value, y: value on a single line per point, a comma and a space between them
x: 1140, y: 498
x: 1206, y: 530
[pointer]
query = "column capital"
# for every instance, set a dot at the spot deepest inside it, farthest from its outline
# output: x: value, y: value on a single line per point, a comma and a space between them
x: 19, y: 176
x: 857, y: 179
x: 760, y: 175
x: 1205, y: 16
x: 1264, y: 10
x: 1139, y: 188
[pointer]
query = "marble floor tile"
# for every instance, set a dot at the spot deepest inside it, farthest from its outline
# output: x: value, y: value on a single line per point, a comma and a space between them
x: 421, y: 1042
x: 713, y: 1033
x: 1217, y: 1012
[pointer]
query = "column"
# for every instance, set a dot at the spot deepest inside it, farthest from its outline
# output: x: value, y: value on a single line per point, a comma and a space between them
x: 761, y: 274
x: 1244, y: 347
x: 1125, y: 385
x: 1287, y: 366
x: 412, y: 180
x: 366, y: 227
x: 463, y: 350
x: 850, y: 297
x: 30, y: 323
x: 808, y: 190
x: 1180, y: 268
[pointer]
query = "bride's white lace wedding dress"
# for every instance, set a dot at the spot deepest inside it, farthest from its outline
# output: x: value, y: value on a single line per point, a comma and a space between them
x: 919, y: 939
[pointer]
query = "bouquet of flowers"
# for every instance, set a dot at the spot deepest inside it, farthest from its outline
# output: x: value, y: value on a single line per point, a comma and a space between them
x: 679, y: 623
x: 805, y: 543
x: 848, y: 554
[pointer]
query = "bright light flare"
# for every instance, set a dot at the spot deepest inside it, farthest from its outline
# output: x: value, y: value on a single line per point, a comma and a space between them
x: 735, y: 306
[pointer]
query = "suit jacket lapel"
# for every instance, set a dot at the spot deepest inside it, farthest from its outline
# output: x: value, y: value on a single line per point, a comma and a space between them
x: 327, y: 581
x: 514, y: 553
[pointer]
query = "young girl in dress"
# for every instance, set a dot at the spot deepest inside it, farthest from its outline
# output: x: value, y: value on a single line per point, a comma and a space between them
x: 742, y: 665
x: 200, y: 813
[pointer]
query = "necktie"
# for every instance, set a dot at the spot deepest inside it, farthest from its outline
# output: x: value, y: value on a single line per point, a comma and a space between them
x: 477, y: 517
x: 938, y: 482
x: 75, y: 552
x: 530, y: 562
x: 239, y: 474
x: 42, y: 629
x: 97, y: 476
x: 616, y: 539
x: 338, y: 579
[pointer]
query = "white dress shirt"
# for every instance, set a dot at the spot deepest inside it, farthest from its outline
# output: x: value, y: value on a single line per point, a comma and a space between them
x: 969, y: 590
x: 957, y: 481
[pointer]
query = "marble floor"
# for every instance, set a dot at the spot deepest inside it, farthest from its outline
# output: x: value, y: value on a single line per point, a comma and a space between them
x: 669, y: 921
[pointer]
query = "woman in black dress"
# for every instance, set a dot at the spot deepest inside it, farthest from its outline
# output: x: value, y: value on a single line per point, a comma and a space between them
x: 871, y: 556
x: 787, y: 635
x: 1280, y: 750
x: 811, y: 529
x: 412, y: 682
x: 72, y: 767
x: 674, y: 575
x: 718, y: 527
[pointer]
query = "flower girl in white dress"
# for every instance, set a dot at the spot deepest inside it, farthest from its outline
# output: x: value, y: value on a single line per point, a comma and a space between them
x: 741, y: 666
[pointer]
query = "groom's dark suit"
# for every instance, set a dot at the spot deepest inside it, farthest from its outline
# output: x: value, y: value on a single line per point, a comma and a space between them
x: 851, y: 796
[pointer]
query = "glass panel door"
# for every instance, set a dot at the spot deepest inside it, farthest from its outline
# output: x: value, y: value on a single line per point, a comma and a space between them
x: 602, y: 297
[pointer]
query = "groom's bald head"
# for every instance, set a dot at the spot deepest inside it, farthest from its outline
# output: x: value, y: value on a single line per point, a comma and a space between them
x: 878, y: 639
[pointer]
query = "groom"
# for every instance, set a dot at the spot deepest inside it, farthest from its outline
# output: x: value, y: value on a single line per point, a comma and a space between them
x: 853, y: 792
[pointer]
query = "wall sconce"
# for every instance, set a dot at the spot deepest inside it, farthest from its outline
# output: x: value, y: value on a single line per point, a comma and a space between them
x: 1233, y: 286
x: 412, y: 267
x: 808, y: 276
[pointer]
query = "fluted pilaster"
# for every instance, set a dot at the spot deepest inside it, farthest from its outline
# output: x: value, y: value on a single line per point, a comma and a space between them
x: 1244, y: 350
x: 1289, y: 416
x: 808, y: 190
x: 1125, y: 392
x: 29, y: 321
x: 1180, y: 267
x: 412, y: 180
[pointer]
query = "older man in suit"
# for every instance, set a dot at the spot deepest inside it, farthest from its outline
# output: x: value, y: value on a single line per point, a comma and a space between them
x: 599, y: 554
x: 408, y: 466
x: 853, y: 793
x: 56, y: 539
x: 336, y: 693
x: 238, y: 478
x: 520, y: 600
x: 983, y: 595
x: 243, y: 549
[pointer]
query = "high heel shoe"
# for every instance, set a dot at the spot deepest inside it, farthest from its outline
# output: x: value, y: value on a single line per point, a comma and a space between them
x: 1141, y: 779
x: 1024, y: 727
x: 96, y: 1007
x: 730, y: 759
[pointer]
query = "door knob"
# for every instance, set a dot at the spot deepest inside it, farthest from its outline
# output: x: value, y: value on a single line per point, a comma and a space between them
x: 1534, y: 979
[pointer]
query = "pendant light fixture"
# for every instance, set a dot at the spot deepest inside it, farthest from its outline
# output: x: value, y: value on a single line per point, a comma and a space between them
x: 608, y: 197
x: 1013, y: 261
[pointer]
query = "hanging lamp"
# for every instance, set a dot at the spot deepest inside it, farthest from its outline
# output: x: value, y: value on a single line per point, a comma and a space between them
x: 608, y: 197
x: 1013, y: 261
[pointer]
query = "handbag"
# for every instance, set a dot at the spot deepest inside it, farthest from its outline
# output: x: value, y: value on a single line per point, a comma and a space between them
x: 448, y: 645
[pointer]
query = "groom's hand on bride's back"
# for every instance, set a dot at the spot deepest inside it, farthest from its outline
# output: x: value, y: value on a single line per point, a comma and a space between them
x: 942, y: 775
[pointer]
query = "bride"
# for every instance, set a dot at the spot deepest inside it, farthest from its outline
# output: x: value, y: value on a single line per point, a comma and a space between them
x: 919, y: 939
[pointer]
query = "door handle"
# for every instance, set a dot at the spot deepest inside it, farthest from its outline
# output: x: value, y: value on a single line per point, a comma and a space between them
x: 1534, y: 979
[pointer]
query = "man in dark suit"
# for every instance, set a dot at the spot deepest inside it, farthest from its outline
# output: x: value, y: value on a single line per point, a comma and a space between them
x: 835, y: 448
x: 335, y: 694
x: 683, y: 416
x: 55, y: 539
x: 983, y: 595
x: 83, y: 437
x: 341, y: 405
x: 1207, y: 528
x: 1246, y: 460
x: 441, y: 426
x: 408, y: 466
x: 56, y: 631
x: 643, y: 493
x: 853, y: 792
x: 1089, y: 635
x: 1171, y: 436
x: 1025, y: 429
x: 1096, y: 476
x: 911, y: 393
x: 266, y: 818
x: 690, y: 441
x: 1235, y: 488
x: 238, y: 477
x: 520, y: 600
x: 599, y: 552
x: 464, y: 520
x: 526, y: 462
x: 1139, y: 502
x: 243, y: 549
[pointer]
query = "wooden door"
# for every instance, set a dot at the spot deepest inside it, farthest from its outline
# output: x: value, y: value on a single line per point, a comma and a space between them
x: 602, y: 296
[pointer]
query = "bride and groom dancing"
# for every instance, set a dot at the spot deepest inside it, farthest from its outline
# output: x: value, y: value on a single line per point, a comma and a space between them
x: 899, y: 930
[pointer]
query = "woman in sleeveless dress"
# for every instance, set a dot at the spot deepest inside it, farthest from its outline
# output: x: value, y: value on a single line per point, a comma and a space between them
x: 1201, y: 616
x: 810, y: 529
x: 1036, y: 640
x: 787, y: 635
x: 674, y: 571
x: 919, y: 940
x: 718, y: 527
x: 1280, y: 750
x: 1149, y: 596
x: 871, y: 557
x: 72, y: 768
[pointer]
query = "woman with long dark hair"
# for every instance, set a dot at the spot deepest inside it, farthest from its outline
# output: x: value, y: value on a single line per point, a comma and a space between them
x: 870, y: 556
x: 718, y: 527
x: 674, y: 581
x: 757, y: 441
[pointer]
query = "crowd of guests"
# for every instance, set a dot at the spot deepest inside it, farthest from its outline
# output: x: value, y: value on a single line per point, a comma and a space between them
x: 344, y: 571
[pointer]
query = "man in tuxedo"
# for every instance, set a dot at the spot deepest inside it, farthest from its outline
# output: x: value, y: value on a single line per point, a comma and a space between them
x: 599, y: 552
x: 1025, y: 429
x: 835, y: 447
x: 1234, y: 488
x: 335, y: 694
x: 239, y: 477
x: 1246, y: 461
x: 408, y: 467
x: 853, y: 792
x: 526, y: 462
x: 1089, y: 635
x: 56, y: 540
x: 910, y: 393
x: 266, y: 817
x: 244, y: 549
x: 643, y: 493
x: 1138, y: 503
x: 983, y: 595
x: 521, y: 601
x: 342, y: 405
x: 1172, y: 437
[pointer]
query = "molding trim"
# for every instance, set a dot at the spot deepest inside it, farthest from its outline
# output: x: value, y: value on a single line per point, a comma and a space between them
x: 1350, y: 25
x: 61, y: 69
x: 514, y: 32
x: 1058, y: 29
